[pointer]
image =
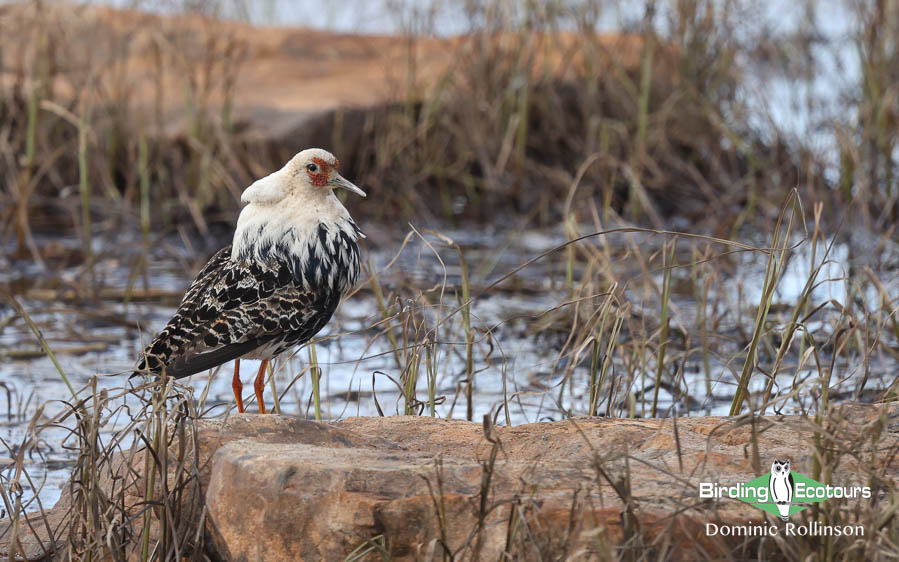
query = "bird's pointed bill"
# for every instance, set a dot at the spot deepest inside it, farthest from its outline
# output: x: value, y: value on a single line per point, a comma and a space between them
x: 342, y: 182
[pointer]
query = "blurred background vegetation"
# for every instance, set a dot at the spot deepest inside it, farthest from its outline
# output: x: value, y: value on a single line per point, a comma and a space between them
x: 709, y: 112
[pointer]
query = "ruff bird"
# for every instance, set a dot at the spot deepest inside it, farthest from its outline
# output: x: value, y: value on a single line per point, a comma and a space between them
x: 293, y: 257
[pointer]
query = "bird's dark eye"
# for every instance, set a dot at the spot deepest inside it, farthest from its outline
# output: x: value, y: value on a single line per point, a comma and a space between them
x: 312, y: 167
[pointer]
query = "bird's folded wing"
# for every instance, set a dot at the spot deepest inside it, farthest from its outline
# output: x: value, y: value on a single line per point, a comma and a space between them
x: 234, y: 333
x: 231, y: 309
x: 207, y: 275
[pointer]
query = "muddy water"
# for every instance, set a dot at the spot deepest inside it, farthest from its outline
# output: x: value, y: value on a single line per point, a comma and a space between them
x: 97, y: 325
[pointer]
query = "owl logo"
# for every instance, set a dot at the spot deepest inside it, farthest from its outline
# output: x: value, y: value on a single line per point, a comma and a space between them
x: 781, y: 487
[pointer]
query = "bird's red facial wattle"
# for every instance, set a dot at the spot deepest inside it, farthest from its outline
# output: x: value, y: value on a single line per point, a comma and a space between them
x: 323, y: 172
x: 320, y: 171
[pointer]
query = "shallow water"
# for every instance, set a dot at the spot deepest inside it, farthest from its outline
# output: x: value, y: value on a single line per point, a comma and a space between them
x: 518, y: 359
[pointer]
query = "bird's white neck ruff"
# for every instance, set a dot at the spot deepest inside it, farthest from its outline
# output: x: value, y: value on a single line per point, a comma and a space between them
x: 317, y: 239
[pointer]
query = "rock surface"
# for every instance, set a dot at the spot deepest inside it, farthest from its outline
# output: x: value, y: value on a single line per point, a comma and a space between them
x: 280, y: 488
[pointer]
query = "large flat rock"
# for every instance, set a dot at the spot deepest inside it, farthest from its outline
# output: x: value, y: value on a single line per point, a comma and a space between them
x: 279, y: 488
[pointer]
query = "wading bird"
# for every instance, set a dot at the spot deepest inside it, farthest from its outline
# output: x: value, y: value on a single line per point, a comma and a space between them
x: 293, y: 257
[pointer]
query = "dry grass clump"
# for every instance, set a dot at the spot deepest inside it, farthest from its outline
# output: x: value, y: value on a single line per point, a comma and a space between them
x: 135, y: 491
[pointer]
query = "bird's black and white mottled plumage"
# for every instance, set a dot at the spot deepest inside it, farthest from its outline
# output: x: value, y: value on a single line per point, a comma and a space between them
x: 293, y: 257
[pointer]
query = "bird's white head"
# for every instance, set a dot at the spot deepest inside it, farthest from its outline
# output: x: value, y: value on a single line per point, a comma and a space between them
x: 293, y: 215
x: 309, y: 176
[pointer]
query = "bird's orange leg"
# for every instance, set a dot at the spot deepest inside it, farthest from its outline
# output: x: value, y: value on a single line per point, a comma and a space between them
x: 259, y: 385
x: 237, y: 386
